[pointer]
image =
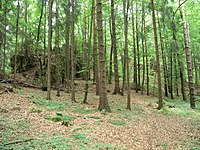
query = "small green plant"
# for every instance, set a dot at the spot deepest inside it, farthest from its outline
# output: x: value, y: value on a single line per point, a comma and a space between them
x: 20, y: 91
x: 78, y: 136
x: 52, y: 105
x: 117, y: 122
x: 80, y: 128
x: 82, y: 110
x: 35, y: 110
x: 94, y: 117
x: 59, y: 118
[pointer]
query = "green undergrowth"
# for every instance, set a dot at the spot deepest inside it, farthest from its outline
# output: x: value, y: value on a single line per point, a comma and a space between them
x: 75, y: 141
x: 52, y: 105
x: 177, y: 107
x: 117, y: 122
x: 59, y: 117
x: 64, y: 105
x: 94, y: 117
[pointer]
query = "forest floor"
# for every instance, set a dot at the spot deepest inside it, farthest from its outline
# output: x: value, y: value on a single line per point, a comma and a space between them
x: 29, y: 121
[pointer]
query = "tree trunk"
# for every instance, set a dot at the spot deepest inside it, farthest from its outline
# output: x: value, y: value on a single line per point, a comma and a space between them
x: 49, y: 51
x: 85, y: 56
x: 88, y: 56
x: 188, y: 58
x: 135, y: 54
x: 138, y: 49
x: 163, y: 58
x: 72, y: 56
x: 57, y: 46
x: 16, y: 43
x: 160, y: 103
x: 116, y: 76
x: 143, y: 47
x: 103, y: 102
x: 147, y: 59
x: 126, y: 58
x: 38, y: 30
x: 111, y: 54
x: 95, y: 52
x: 67, y: 47
x: 5, y: 39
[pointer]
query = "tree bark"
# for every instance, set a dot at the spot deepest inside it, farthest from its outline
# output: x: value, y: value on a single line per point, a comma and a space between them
x: 95, y: 53
x: 103, y: 102
x: 116, y: 76
x: 16, y: 43
x: 49, y: 51
x: 135, y: 82
x: 160, y: 103
x: 163, y: 58
x: 57, y: 46
x: 73, y: 99
x: 188, y: 58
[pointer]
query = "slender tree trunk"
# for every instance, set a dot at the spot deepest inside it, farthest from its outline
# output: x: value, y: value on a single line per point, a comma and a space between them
x: 88, y: 56
x: 85, y: 56
x: 111, y: 54
x: 57, y: 46
x: 147, y: 58
x: 135, y: 54
x: 103, y: 102
x: 95, y: 52
x: 116, y: 76
x: 72, y: 55
x: 16, y: 43
x: 163, y: 58
x: 188, y: 58
x: 44, y: 40
x: 181, y: 69
x: 67, y: 46
x: 49, y: 51
x: 143, y: 47
x: 160, y: 103
x: 126, y: 58
x: 5, y: 39
x: 138, y: 48
x: 26, y: 24
x: 38, y: 29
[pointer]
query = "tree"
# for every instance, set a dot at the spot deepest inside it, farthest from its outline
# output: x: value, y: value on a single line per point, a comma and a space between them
x: 188, y: 57
x: 57, y: 46
x: 160, y: 104
x: 88, y: 55
x: 16, y: 43
x: 135, y: 81
x: 95, y: 53
x: 126, y: 58
x: 73, y: 99
x: 49, y: 50
x: 116, y: 76
x: 103, y: 102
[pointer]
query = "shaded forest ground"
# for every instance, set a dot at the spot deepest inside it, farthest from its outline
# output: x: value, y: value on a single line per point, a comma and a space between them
x: 29, y: 121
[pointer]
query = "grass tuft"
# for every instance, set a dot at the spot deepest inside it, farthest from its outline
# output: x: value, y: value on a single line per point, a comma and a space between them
x: 117, y: 122
x: 94, y: 117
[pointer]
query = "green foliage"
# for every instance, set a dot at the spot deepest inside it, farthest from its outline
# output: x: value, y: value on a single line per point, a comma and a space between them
x: 35, y: 110
x: 83, y: 110
x: 117, y: 122
x: 58, y: 118
x: 94, y: 117
x: 78, y: 136
x: 52, y: 105
x: 178, y: 107
x: 80, y: 128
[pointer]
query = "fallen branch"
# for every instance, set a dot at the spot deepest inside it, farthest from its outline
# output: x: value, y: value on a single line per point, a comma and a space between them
x: 16, y: 142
